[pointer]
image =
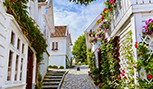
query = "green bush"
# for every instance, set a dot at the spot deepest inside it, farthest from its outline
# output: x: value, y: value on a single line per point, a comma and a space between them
x: 76, y: 63
x: 54, y: 66
x: 94, y: 71
x: 39, y: 77
x: 61, y: 67
x: 40, y: 85
x: 50, y: 66
x: 67, y: 66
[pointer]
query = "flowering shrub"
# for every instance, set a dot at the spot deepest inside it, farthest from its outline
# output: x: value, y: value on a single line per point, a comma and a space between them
x: 145, y: 61
x: 148, y: 28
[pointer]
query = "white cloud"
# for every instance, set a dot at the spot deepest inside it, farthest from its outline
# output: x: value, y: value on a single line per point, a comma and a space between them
x: 76, y: 16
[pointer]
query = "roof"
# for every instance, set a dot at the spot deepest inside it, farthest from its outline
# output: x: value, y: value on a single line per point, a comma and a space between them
x: 59, y: 31
x: 70, y: 39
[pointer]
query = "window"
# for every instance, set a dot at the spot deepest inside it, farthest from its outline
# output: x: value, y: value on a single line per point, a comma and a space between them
x: 21, y: 69
x: 18, y: 45
x: 12, y: 38
x: 9, y: 65
x: 56, y: 46
x: 52, y: 45
x: 22, y: 48
x: 16, y: 67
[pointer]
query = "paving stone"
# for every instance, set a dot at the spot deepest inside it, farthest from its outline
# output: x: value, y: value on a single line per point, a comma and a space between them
x: 78, y: 79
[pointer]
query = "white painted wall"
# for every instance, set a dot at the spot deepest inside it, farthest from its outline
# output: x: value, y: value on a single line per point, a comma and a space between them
x: 58, y: 60
x: 58, y: 57
x: 44, y: 64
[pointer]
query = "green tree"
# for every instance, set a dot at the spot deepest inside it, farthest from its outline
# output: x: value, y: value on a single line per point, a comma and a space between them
x: 79, y: 49
x: 85, y: 2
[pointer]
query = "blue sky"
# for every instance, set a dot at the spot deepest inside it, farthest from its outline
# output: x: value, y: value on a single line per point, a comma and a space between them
x: 77, y: 17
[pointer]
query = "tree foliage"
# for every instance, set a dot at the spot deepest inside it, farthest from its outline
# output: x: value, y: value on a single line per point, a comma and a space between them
x: 85, y: 2
x: 79, y: 48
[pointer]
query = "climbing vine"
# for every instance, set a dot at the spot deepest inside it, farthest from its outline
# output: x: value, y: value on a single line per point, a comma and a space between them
x: 145, y: 65
x: 128, y: 60
x: 18, y: 9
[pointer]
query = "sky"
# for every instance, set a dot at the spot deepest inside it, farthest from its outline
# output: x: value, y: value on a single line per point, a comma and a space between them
x: 77, y: 17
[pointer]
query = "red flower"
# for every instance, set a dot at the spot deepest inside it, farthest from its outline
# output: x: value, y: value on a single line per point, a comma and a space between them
x: 119, y: 77
x: 104, y: 10
x: 135, y: 67
x: 128, y: 81
x: 98, y: 51
x: 110, y: 9
x: 98, y: 48
x: 149, y: 77
x: 136, y: 45
x: 136, y: 76
x: 140, y: 53
x: 123, y: 71
x: 102, y: 17
x: 122, y: 74
x: 125, y: 77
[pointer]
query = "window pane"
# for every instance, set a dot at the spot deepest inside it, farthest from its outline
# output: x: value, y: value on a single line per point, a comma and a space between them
x: 56, y: 44
x: 9, y: 65
x: 22, y: 48
x: 16, y: 67
x: 21, y: 69
x: 18, y: 46
x: 12, y: 38
x: 52, y: 45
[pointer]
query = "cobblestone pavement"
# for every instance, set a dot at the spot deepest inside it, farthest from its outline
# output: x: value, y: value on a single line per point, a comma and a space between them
x: 78, y: 79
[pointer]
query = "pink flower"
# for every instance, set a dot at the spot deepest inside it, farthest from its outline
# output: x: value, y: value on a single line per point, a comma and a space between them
x: 111, y: 1
x: 110, y: 9
x: 98, y: 20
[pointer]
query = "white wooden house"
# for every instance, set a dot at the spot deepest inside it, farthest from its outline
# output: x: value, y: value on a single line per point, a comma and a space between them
x: 129, y: 16
x: 61, y: 47
x: 46, y: 23
x: 17, y: 57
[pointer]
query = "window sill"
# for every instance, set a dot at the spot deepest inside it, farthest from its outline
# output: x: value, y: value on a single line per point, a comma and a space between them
x: 54, y: 49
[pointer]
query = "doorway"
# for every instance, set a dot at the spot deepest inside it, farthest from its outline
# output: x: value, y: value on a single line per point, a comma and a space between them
x: 29, y: 69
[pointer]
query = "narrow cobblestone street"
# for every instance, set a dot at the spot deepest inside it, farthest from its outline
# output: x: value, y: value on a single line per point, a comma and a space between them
x: 78, y: 79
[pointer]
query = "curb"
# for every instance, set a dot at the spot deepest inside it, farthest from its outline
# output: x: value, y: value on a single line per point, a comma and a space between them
x: 62, y: 80
x: 91, y: 81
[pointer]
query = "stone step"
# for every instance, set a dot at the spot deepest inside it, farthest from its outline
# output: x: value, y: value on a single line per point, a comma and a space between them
x: 53, y: 77
x: 55, y: 74
x: 51, y: 83
x: 50, y: 86
x: 51, y: 80
x: 50, y: 71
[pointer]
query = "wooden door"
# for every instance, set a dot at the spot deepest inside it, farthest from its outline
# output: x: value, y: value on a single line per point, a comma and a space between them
x: 29, y: 69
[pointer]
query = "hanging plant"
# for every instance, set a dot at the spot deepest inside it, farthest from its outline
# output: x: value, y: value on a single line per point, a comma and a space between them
x: 148, y: 27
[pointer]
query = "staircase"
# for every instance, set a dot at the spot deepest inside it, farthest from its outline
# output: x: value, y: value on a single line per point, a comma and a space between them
x: 53, y: 79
